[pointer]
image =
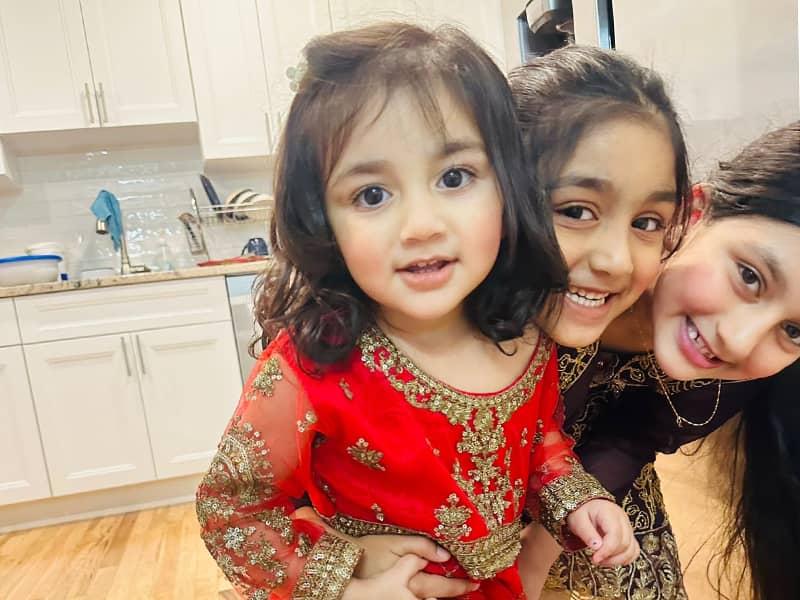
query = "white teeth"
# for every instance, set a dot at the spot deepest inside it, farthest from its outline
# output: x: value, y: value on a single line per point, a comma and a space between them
x: 699, y: 342
x: 587, y: 298
x: 584, y: 301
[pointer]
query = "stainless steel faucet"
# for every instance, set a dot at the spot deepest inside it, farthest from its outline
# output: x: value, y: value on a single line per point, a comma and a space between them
x: 126, y: 268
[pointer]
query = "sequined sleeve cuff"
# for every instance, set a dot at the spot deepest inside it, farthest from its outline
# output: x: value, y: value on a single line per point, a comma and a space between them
x: 330, y: 566
x: 562, y: 496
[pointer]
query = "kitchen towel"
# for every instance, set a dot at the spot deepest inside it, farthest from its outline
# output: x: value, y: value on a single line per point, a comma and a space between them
x: 106, y: 208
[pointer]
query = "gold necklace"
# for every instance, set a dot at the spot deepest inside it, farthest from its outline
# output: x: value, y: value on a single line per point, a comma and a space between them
x: 680, y: 419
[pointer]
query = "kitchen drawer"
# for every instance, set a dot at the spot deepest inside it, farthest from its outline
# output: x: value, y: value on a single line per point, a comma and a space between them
x: 121, y: 309
x: 9, y: 333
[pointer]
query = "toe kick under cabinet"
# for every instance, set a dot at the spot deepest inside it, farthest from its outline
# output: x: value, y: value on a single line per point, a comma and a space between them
x: 130, y: 383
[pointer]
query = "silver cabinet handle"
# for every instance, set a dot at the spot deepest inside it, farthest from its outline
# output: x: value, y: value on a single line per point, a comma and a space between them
x: 102, y: 110
x: 89, y: 103
x: 125, y: 354
x: 141, y: 356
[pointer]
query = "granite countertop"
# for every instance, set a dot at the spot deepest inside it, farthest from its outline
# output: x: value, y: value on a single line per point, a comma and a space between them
x: 190, y: 273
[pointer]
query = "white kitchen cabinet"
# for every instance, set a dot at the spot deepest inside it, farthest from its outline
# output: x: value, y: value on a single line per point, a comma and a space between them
x: 139, y: 62
x: 9, y: 331
x: 73, y: 64
x: 45, y: 74
x: 190, y: 386
x: 91, y: 418
x: 286, y: 27
x: 355, y: 13
x: 23, y: 475
x: 482, y: 19
x: 229, y: 77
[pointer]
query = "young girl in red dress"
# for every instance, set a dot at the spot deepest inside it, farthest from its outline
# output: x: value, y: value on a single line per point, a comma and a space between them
x: 406, y: 388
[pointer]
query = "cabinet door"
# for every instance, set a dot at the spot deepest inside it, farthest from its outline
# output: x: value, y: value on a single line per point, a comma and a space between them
x: 138, y: 56
x: 190, y: 384
x: 22, y: 471
x: 286, y: 27
x: 356, y: 13
x: 229, y: 78
x: 91, y: 418
x: 481, y: 19
x: 45, y: 77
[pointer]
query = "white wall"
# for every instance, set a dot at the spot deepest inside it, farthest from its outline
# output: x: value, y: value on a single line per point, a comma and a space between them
x: 732, y: 66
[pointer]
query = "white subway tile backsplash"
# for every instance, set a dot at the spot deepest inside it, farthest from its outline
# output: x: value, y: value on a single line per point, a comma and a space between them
x: 152, y: 185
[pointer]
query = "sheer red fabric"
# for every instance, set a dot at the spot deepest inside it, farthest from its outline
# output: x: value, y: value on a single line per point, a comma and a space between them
x: 379, y: 446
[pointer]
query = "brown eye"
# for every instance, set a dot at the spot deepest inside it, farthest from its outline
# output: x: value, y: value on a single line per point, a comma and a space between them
x: 793, y: 331
x: 648, y: 224
x: 749, y: 276
x: 372, y: 196
x: 578, y: 213
x: 455, y: 178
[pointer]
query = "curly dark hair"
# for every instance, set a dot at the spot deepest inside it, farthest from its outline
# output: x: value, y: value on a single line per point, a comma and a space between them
x: 562, y: 95
x: 308, y: 291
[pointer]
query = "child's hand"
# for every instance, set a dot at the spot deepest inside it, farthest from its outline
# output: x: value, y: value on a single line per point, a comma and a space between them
x: 381, y: 552
x: 392, y: 584
x: 604, y: 527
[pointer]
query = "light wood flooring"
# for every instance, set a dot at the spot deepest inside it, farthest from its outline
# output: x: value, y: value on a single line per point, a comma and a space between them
x: 157, y: 554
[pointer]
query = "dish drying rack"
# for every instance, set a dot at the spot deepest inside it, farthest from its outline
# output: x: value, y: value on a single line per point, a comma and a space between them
x: 220, y: 232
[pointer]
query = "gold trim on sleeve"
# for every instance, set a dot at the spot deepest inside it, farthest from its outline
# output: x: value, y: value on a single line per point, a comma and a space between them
x: 330, y: 566
x: 566, y: 493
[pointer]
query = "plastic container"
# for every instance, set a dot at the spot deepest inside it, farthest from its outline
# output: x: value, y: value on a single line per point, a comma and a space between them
x: 51, y: 248
x: 23, y: 270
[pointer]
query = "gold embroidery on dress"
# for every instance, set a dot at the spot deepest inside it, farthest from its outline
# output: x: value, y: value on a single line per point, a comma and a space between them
x: 655, y: 575
x: 538, y: 437
x: 308, y: 420
x: 330, y: 566
x: 565, y: 493
x: 348, y: 393
x: 242, y: 475
x: 524, y: 437
x: 376, y: 508
x: 269, y: 374
x: 240, y: 457
x: 572, y: 366
x: 452, y: 520
x: 481, y: 416
x: 371, y: 458
x: 481, y: 559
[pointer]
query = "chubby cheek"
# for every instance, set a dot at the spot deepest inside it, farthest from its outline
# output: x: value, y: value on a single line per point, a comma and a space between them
x: 365, y: 255
x: 766, y: 360
x: 696, y: 289
x: 646, y: 270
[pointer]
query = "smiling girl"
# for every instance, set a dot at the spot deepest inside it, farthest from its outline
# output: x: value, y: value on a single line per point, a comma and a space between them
x: 703, y: 347
x: 406, y: 388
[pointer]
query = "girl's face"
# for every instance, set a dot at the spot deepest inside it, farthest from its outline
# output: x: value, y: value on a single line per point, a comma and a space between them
x: 611, y: 204
x: 727, y: 305
x: 416, y: 210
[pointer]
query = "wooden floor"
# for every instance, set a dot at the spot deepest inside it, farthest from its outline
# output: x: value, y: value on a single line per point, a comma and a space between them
x: 157, y: 554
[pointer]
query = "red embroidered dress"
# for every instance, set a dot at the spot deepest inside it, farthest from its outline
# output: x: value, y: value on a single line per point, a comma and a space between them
x: 381, y: 447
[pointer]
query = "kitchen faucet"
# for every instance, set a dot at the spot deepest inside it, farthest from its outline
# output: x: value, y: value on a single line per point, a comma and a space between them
x: 126, y: 268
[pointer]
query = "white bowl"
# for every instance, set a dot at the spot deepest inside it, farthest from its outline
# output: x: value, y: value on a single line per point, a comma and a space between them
x: 23, y: 270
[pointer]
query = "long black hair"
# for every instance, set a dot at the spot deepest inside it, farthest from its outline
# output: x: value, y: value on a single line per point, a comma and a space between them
x: 764, y: 494
x: 562, y: 95
x: 309, y: 291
